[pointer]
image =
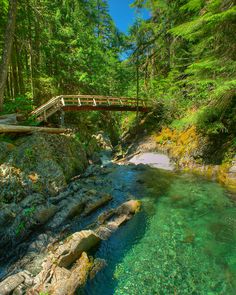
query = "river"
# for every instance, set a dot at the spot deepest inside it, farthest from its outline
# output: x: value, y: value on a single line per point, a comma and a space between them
x: 182, y: 242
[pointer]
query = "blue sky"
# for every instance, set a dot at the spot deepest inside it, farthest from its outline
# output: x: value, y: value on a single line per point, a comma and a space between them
x: 122, y: 14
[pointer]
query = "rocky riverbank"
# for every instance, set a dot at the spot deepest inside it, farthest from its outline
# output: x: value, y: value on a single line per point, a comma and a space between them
x: 66, y: 264
x: 40, y: 163
x: 46, y: 217
x: 189, y: 151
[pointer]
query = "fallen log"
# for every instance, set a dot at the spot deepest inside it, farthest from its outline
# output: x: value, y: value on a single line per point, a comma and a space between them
x: 30, y: 129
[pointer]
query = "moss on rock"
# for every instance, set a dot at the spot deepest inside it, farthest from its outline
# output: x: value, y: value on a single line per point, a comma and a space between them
x: 40, y: 163
x: 190, y: 149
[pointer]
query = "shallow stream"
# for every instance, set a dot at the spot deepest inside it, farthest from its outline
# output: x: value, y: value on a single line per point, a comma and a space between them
x: 182, y: 242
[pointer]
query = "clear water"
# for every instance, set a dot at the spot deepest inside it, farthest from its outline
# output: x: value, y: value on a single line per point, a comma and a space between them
x: 182, y: 242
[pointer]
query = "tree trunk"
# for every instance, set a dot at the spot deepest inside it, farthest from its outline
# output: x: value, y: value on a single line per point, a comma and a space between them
x: 36, y: 62
x: 6, y: 56
x: 20, y: 68
x: 14, y: 72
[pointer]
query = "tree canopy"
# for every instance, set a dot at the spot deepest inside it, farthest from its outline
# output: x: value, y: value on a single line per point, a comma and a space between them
x: 183, y: 55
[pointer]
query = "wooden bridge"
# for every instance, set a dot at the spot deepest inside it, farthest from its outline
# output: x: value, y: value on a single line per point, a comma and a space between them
x: 88, y: 103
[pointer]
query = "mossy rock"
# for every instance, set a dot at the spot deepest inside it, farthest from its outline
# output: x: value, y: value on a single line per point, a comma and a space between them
x: 5, y: 149
x: 40, y: 163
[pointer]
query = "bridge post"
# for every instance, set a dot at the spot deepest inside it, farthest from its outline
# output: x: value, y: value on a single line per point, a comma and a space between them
x: 62, y: 118
x: 45, y: 116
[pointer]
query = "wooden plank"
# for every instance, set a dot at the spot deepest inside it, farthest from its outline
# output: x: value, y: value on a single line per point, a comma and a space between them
x: 62, y: 101
x: 46, y: 105
x: 98, y: 97
x: 30, y: 129
x: 105, y: 108
x: 82, y: 101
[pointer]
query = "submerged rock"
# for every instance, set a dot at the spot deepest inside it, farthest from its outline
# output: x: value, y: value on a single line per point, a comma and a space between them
x: 98, y: 265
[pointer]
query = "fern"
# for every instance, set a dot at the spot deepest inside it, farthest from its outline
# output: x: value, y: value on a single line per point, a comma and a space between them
x: 192, y: 5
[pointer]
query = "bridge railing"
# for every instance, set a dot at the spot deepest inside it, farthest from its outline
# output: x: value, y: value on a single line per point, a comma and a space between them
x: 100, y: 100
x: 54, y: 103
x: 59, y: 102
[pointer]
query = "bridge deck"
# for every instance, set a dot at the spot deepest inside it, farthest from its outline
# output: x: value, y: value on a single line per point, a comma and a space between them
x: 88, y: 103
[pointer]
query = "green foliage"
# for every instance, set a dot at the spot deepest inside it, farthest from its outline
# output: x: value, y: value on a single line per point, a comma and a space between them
x: 63, y: 48
x: 192, y: 5
x: 185, y: 122
x: 6, y: 138
x: 185, y: 55
x: 211, y: 120
x: 18, y: 105
x: 20, y: 228
x: 29, y: 154
x: 29, y: 211
x: 187, y: 60
x: 128, y: 121
x: 4, y: 6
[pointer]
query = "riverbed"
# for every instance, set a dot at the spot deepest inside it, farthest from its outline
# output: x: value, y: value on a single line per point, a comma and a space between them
x: 182, y: 242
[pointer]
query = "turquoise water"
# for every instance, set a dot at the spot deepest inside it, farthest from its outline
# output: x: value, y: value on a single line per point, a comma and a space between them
x: 182, y: 242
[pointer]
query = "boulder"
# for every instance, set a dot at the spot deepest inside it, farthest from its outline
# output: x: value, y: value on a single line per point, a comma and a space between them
x: 110, y: 220
x: 66, y: 267
x: 40, y: 163
x: 21, y: 221
x: 81, y: 204
x: 103, y: 140
x: 96, y: 203
x: 77, y: 243
x: 7, y: 214
x: 65, y: 282
x: 63, y: 264
x: 44, y: 213
x: 13, y: 281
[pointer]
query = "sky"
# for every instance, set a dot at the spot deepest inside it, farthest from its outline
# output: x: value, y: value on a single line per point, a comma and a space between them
x: 123, y: 14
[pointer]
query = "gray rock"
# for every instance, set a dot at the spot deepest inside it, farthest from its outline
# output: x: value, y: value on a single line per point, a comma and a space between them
x: 32, y: 200
x: 7, y: 213
x: 96, y: 203
x: 44, y: 213
x: 5, y: 149
x: 12, y: 282
x: 98, y: 265
x: 69, y: 208
x: 40, y: 163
